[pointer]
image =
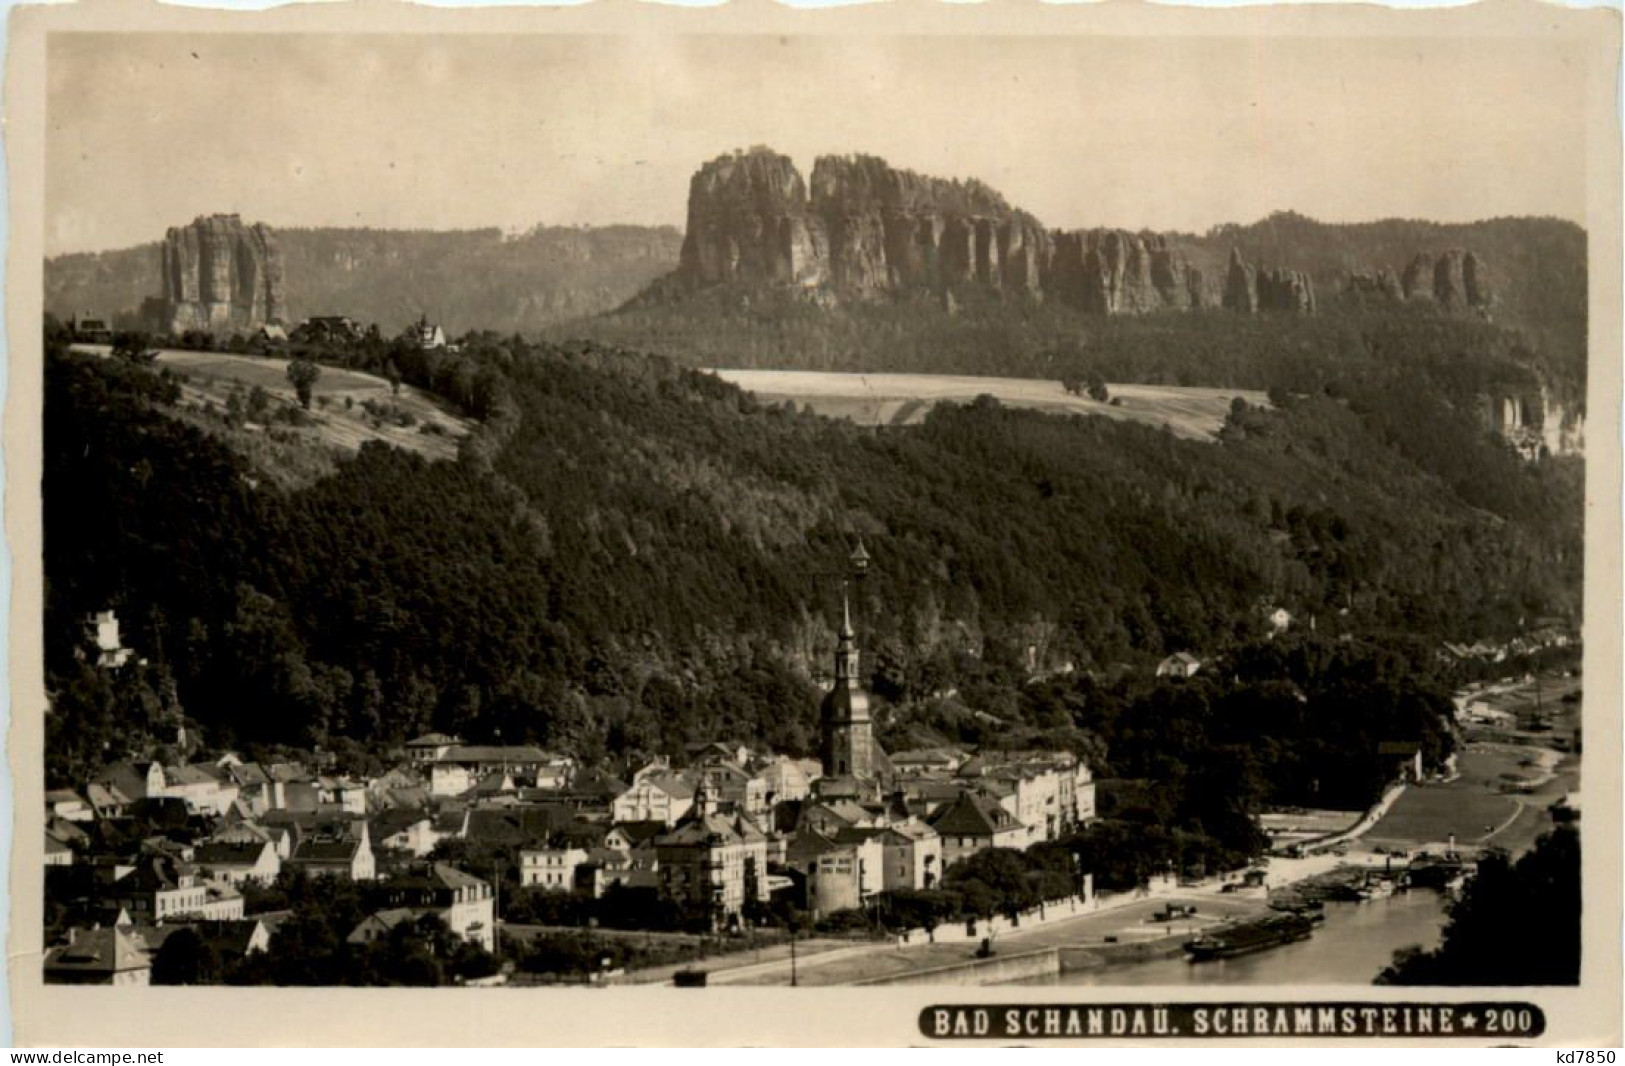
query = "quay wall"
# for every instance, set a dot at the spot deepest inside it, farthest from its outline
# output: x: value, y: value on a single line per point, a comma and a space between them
x: 996, y: 970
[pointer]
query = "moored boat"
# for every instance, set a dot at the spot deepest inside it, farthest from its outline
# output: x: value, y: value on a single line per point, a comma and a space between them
x: 1251, y: 936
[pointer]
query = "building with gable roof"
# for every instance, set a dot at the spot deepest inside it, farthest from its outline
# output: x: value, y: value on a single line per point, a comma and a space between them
x: 111, y: 956
x: 335, y: 849
x: 235, y: 863
x: 713, y: 861
x: 975, y: 822
x: 1179, y: 664
x: 659, y: 796
x: 464, y: 902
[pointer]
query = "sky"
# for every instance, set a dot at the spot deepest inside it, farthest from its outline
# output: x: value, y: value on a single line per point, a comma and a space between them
x: 410, y: 131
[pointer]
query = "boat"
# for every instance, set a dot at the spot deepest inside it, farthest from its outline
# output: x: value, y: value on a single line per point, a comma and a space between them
x: 1251, y: 936
x: 1376, y: 888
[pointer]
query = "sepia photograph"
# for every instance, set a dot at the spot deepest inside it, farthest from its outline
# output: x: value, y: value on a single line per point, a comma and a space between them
x: 1053, y: 517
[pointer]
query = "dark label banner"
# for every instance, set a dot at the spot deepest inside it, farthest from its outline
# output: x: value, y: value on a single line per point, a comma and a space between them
x: 1062, y: 1021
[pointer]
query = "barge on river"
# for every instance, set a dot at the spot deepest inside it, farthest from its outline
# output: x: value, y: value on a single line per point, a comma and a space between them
x: 1251, y: 936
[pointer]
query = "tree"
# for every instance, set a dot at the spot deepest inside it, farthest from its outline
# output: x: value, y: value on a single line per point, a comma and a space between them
x: 1516, y: 924
x: 186, y: 959
x: 304, y: 374
x: 1097, y: 387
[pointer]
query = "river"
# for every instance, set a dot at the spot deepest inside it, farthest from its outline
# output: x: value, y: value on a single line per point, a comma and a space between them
x: 1353, y: 945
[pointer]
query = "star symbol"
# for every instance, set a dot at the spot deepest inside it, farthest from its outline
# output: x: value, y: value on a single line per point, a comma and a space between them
x: 1469, y: 1020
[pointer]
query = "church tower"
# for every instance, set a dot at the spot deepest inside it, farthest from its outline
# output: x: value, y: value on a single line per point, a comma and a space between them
x: 847, y: 731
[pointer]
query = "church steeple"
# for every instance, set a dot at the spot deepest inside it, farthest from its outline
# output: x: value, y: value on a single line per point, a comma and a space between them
x: 847, y: 747
x: 846, y: 649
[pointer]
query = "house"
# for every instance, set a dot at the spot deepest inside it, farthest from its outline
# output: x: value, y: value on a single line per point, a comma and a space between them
x: 786, y: 780
x: 272, y: 334
x: 103, y: 646
x: 236, y: 863
x: 551, y: 868
x: 379, y: 924
x: 401, y: 829
x: 590, y: 790
x: 111, y: 956
x: 460, y: 767
x: 464, y: 902
x: 520, y: 827
x: 831, y: 817
x: 736, y: 787
x: 451, y: 823
x: 280, y: 837
x: 337, y: 849
x: 636, y: 841
x: 657, y: 797
x: 430, y: 747
x: 427, y: 335
x: 107, y: 801
x: 1179, y: 664
x: 1405, y: 756
x: 67, y: 804
x: 927, y: 762
x: 911, y: 856
x: 342, y: 793
x: 974, y: 823
x: 713, y: 862
x: 91, y: 328
x: 716, y: 753
x: 57, y: 853
x: 606, y: 868
x: 163, y: 888
x: 134, y: 781
x: 199, y: 787
x: 255, y: 789
x: 847, y: 875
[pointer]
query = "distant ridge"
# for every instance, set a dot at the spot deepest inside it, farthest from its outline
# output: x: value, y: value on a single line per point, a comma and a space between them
x: 464, y: 279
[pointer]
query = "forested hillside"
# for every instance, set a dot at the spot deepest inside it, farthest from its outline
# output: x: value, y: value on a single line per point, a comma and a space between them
x: 1537, y: 266
x: 462, y: 279
x: 631, y: 555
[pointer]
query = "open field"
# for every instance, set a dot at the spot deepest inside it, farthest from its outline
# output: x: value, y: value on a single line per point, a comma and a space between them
x: 904, y: 399
x: 339, y: 419
x: 1428, y: 814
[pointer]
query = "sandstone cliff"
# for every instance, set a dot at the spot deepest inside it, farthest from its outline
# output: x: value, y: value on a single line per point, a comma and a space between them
x: 1250, y: 290
x: 1113, y: 272
x: 893, y: 229
x: 1456, y: 280
x: 1379, y: 287
x: 864, y: 229
x: 221, y: 275
x: 748, y: 220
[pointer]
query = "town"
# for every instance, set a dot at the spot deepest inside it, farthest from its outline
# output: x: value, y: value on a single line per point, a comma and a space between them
x: 732, y: 837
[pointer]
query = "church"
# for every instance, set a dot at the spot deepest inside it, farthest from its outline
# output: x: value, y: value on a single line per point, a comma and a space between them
x: 854, y: 763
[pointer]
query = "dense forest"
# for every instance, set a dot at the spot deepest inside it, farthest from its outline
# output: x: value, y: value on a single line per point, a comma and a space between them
x: 631, y: 555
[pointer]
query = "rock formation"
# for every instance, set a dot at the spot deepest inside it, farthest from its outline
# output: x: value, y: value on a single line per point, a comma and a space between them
x: 1250, y: 290
x: 1240, y: 285
x: 864, y: 229
x: 1456, y: 280
x: 220, y: 275
x: 747, y: 219
x: 1380, y: 287
x: 1113, y: 272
